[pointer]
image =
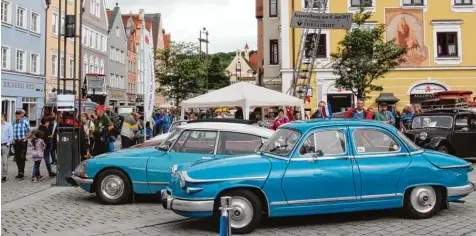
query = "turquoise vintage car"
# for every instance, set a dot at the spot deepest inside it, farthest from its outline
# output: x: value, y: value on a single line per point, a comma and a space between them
x: 115, y: 176
x: 322, y: 166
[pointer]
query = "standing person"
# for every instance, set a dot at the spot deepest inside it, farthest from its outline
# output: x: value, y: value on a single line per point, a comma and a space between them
x: 158, y: 126
x: 359, y: 112
x: 47, y: 137
x: 39, y: 147
x: 407, y: 116
x: 280, y: 120
x: 371, y: 111
x: 101, y: 133
x: 384, y: 115
x: 166, y: 122
x: 239, y: 113
x: 129, y: 130
x: 221, y: 115
x: 21, y: 133
x: 323, y: 111
x: 7, y: 139
x: 54, y: 139
x: 417, y: 109
x: 88, y: 127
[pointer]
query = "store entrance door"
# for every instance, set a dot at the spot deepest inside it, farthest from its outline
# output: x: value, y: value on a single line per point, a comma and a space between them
x: 8, y: 108
x: 339, y: 102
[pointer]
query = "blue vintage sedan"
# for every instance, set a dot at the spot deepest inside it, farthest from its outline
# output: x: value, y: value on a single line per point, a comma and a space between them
x: 318, y: 167
x: 115, y: 176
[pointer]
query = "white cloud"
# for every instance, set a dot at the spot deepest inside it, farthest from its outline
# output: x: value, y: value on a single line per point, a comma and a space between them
x: 230, y: 23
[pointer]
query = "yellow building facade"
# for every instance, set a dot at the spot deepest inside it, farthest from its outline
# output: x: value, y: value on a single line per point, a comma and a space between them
x: 54, y: 56
x: 444, y: 58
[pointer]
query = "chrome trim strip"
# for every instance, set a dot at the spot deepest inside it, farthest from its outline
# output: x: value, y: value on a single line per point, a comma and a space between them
x: 153, y: 183
x: 461, y: 190
x: 336, y: 199
x: 185, y: 205
x: 191, y: 180
x: 455, y: 166
x: 381, y: 196
x: 276, y: 156
x: 321, y: 158
x: 382, y: 154
x: 81, y: 180
x: 417, y: 152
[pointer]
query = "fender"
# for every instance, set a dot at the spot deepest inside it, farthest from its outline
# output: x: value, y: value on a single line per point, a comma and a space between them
x: 435, y: 142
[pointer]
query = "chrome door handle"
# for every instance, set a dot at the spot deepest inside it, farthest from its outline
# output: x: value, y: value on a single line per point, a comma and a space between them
x: 206, y: 158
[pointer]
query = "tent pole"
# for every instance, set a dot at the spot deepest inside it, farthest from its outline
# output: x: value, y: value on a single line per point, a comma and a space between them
x: 303, y: 115
x: 182, y: 113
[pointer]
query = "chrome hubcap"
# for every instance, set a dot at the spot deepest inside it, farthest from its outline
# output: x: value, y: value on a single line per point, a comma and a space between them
x: 241, y: 212
x: 112, y: 187
x: 423, y: 199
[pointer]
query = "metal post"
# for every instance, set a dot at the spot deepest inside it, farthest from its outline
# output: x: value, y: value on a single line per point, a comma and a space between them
x: 225, y: 222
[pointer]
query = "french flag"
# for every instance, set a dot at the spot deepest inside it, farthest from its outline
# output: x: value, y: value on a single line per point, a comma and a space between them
x: 309, y: 95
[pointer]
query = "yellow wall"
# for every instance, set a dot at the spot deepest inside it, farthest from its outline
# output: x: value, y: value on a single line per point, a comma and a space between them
x: 399, y: 81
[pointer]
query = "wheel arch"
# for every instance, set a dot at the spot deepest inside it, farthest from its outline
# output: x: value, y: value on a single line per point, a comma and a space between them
x: 93, y: 186
x: 257, y: 191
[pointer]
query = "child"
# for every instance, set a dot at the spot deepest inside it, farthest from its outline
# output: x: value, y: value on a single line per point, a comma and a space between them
x: 39, y: 147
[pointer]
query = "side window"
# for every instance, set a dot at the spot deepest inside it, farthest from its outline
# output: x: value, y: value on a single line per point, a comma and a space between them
x: 461, y: 123
x: 309, y: 146
x: 369, y: 141
x: 196, y: 141
x: 231, y: 143
x: 330, y: 142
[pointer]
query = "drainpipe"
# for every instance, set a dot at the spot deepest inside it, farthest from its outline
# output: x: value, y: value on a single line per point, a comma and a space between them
x: 46, y: 48
x: 293, y: 37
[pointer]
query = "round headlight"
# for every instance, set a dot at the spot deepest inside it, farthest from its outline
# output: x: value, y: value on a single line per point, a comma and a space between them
x: 182, y: 181
x: 423, y: 136
x: 81, y: 167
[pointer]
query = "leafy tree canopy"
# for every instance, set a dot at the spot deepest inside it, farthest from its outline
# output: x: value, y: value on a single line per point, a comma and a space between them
x: 216, y: 75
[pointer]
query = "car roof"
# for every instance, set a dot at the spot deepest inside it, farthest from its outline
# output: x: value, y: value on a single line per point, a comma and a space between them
x: 305, y: 125
x: 220, y: 126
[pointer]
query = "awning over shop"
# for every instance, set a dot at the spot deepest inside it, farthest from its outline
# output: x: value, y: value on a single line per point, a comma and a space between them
x: 387, y: 97
x: 244, y: 95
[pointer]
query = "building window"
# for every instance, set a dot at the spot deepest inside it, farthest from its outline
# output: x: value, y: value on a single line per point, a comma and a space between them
x: 54, y: 60
x: 62, y: 26
x: 111, y: 53
x: 90, y: 36
x: 34, y: 63
x: 94, y: 36
x: 6, y: 12
x: 102, y: 67
x: 413, y: 2
x: 85, y: 64
x: 447, y: 44
x: 273, y: 8
x: 317, y: 4
x: 273, y: 52
x: 71, y: 68
x: 91, y: 65
x: 54, y: 24
x: 463, y: 2
x: 85, y: 36
x: 98, y: 12
x: 35, y: 22
x: 98, y: 42
x: 21, y: 17
x: 117, y: 31
x: 96, y: 66
x: 20, y: 61
x: 321, y: 48
x: 5, y: 57
x: 104, y: 44
x: 359, y: 3
x: 92, y: 6
x: 61, y: 75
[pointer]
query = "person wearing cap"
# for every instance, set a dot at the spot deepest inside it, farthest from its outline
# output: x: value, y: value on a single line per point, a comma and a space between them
x: 384, y: 115
x: 101, y: 132
x: 129, y: 130
x: 21, y: 133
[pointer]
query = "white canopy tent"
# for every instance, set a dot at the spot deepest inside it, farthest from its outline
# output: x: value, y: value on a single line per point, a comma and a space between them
x: 244, y: 95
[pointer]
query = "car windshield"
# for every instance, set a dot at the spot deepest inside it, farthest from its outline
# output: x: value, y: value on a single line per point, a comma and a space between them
x: 408, y: 142
x: 282, y: 142
x: 443, y: 122
x: 171, y: 138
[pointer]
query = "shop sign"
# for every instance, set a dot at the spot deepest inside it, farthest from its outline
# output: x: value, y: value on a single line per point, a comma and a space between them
x: 18, y: 85
x: 334, y: 89
x: 117, y: 94
x: 427, y: 89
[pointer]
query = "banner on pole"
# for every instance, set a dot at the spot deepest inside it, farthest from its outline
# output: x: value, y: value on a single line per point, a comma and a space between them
x: 148, y: 73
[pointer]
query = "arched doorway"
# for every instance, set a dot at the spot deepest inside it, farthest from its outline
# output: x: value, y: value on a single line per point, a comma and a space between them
x: 424, y: 91
x: 339, y: 98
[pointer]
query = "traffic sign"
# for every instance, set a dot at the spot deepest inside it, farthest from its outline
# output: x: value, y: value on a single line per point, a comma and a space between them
x: 65, y: 102
x: 321, y: 20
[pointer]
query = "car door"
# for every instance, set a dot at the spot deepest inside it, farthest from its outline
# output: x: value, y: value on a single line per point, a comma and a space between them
x: 464, y: 136
x: 381, y: 159
x: 320, y: 171
x: 235, y: 143
x: 191, y: 146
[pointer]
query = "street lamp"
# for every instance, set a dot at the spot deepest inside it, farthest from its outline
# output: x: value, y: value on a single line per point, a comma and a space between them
x: 204, y: 40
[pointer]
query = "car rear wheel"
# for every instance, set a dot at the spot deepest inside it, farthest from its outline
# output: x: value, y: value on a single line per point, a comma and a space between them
x: 423, y: 202
x: 443, y: 149
x: 246, y: 211
x: 113, y: 187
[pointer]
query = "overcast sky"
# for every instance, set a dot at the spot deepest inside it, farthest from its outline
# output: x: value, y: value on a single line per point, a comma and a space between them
x: 230, y: 23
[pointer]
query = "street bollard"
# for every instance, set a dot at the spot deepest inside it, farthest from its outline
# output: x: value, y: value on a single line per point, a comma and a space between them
x: 225, y: 226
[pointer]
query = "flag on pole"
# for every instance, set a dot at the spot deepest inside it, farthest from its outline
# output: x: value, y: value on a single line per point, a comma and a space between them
x: 148, y: 71
x: 308, y: 95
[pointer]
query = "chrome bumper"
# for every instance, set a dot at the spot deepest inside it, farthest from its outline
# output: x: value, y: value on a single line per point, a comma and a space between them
x: 462, y: 190
x: 81, y: 180
x: 168, y: 202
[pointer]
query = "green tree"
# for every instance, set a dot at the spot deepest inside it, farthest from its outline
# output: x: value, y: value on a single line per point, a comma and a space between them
x: 216, y: 75
x: 180, y: 71
x: 363, y: 56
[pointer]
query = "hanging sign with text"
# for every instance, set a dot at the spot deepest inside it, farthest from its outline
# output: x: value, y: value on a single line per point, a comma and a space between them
x: 65, y: 102
x: 321, y: 20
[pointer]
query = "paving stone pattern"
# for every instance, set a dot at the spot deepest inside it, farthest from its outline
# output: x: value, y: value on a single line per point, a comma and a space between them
x: 74, y: 212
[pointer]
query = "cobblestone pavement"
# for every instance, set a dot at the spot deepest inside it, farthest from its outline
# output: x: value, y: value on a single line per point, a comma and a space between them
x: 73, y: 212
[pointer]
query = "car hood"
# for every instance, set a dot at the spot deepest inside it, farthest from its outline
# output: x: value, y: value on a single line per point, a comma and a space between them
x: 132, y: 152
x: 442, y: 160
x: 246, y: 166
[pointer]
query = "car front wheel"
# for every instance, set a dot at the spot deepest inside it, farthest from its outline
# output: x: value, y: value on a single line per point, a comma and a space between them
x: 113, y: 187
x: 423, y: 202
x: 245, y: 213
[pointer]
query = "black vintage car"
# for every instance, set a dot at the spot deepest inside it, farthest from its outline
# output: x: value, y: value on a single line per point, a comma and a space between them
x: 448, y: 131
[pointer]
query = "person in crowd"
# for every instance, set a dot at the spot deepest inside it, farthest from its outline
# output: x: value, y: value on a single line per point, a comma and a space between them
x: 129, y: 130
x: 323, y: 111
x: 280, y: 120
x: 88, y: 127
x: 158, y: 119
x: 192, y: 116
x: 21, y: 133
x: 54, y: 140
x: 371, y: 111
x: 7, y: 139
x: 167, y: 121
x: 102, y: 131
x: 407, y: 116
x: 384, y: 115
x: 148, y: 130
x: 238, y: 113
x: 221, y: 115
x: 417, y: 109
x: 39, y: 146
x: 47, y: 136
x: 359, y: 112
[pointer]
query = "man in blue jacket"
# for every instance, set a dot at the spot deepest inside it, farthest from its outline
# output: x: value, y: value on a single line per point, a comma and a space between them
x: 158, y: 119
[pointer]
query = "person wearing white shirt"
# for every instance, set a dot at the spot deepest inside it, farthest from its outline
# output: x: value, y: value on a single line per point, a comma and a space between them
x: 7, y: 139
